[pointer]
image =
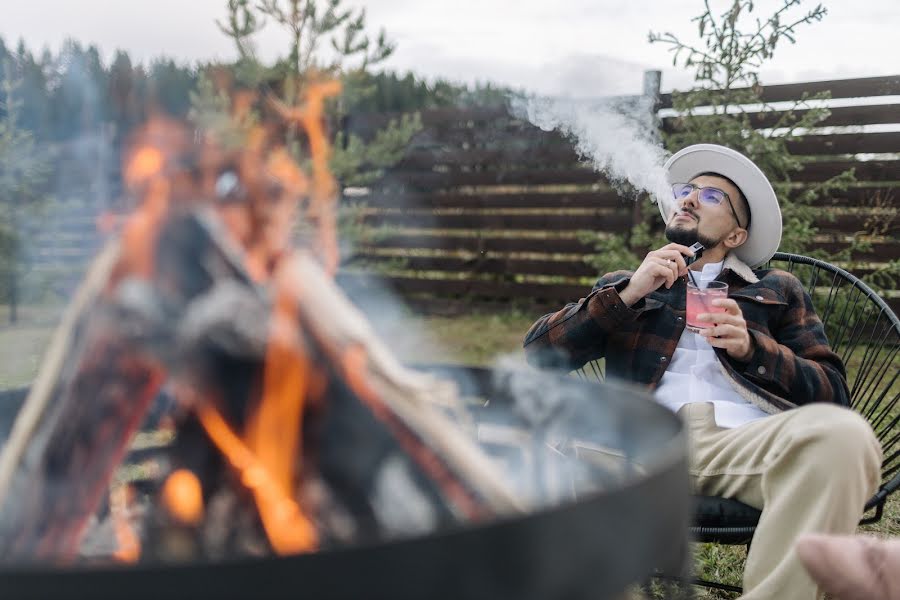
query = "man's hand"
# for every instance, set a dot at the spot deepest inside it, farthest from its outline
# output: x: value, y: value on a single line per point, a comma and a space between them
x: 856, y: 567
x: 729, y: 330
x: 660, y: 267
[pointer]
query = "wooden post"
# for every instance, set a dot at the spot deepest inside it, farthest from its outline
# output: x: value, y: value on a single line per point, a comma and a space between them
x: 652, y: 81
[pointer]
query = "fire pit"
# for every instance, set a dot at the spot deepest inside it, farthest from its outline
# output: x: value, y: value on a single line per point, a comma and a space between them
x: 304, y: 458
x: 627, y: 514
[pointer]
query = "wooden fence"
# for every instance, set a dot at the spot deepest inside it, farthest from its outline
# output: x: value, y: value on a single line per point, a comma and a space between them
x: 488, y: 209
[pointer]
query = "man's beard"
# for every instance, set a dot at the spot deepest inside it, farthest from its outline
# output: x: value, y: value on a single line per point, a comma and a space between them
x: 688, y: 237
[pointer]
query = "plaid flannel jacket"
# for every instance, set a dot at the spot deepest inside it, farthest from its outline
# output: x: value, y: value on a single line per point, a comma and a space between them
x: 792, y: 363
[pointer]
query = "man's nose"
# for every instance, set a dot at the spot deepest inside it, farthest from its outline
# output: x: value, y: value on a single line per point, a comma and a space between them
x: 691, y: 200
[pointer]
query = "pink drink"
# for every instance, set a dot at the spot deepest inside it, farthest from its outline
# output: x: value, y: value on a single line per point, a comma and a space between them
x: 699, y: 300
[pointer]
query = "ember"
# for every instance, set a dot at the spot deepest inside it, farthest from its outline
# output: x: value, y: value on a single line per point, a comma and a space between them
x: 183, y: 497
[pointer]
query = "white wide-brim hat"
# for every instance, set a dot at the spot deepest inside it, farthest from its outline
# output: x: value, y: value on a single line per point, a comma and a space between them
x: 764, y: 233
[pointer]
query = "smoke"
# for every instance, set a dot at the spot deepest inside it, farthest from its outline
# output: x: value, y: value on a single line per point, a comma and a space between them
x: 619, y: 136
x: 560, y: 438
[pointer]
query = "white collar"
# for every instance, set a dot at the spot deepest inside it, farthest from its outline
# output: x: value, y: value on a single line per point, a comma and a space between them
x: 738, y: 267
x: 711, y: 270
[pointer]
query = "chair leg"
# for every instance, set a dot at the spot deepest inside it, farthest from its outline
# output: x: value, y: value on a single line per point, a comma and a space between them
x: 692, y: 581
x: 734, y: 589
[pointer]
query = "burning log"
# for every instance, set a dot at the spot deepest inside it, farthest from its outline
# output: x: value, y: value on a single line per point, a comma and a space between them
x: 348, y: 378
x: 297, y: 428
x: 119, y: 382
x: 401, y: 397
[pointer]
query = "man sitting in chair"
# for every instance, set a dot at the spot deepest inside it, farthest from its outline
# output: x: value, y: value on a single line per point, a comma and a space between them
x: 761, y: 392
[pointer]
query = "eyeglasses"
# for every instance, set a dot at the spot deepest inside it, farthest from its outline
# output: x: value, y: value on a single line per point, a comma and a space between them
x: 706, y: 194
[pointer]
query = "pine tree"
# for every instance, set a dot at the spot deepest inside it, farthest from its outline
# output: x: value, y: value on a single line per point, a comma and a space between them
x: 23, y: 172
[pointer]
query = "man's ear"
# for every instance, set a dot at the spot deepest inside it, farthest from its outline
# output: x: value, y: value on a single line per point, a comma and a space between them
x: 736, y: 238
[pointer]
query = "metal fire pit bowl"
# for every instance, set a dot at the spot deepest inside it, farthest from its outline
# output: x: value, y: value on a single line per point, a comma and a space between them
x: 591, y: 547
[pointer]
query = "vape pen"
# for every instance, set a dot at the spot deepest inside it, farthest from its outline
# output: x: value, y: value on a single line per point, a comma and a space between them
x: 698, y: 249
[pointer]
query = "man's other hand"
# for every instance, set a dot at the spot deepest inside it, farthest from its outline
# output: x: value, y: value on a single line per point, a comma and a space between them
x: 660, y: 267
x: 856, y: 567
x: 729, y: 330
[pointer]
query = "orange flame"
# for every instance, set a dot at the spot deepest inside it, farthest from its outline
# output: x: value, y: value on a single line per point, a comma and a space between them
x: 274, y: 433
x: 145, y: 171
x: 288, y: 529
x: 183, y: 497
x: 267, y: 457
x: 129, y: 546
x: 322, y: 210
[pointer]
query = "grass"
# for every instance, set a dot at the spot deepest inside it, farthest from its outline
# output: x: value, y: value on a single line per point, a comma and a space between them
x: 22, y: 344
x: 472, y: 339
x: 476, y: 339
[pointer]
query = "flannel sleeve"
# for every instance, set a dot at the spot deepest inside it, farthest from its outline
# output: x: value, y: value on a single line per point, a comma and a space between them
x: 576, y: 334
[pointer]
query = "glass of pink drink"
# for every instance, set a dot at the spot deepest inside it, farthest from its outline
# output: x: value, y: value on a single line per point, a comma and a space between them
x: 700, y: 300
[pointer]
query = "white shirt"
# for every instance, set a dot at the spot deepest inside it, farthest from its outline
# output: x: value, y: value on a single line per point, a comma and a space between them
x: 694, y: 375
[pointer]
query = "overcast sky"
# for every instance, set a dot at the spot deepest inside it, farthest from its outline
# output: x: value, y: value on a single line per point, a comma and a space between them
x: 582, y: 47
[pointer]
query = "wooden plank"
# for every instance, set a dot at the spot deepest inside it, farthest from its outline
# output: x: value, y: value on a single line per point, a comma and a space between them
x: 476, y: 116
x: 551, y: 155
x: 881, y: 251
x: 846, y: 143
x: 522, y: 137
x: 814, y: 171
x: 476, y: 288
x: 434, y: 180
x: 860, y: 197
x: 562, y: 154
x: 863, y: 87
x: 851, y: 197
x: 848, y: 223
x: 840, y: 116
x: 512, y: 133
x: 552, y: 222
x: 600, y: 199
x: 872, y: 170
x: 556, y: 295
x: 441, y: 291
x: 482, y: 244
x: 494, y: 266
x: 447, y: 306
x: 366, y: 124
x: 618, y: 222
x: 442, y: 305
x: 567, y: 268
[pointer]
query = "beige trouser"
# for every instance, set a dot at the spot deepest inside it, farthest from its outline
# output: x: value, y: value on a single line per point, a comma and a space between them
x: 810, y: 469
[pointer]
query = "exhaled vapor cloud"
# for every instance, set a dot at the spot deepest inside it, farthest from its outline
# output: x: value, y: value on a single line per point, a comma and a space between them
x: 618, y: 136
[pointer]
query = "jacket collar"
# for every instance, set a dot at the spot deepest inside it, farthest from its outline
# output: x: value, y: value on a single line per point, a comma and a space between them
x: 739, y: 268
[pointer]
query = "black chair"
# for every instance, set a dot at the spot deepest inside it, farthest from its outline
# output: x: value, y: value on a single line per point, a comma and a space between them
x: 865, y: 333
